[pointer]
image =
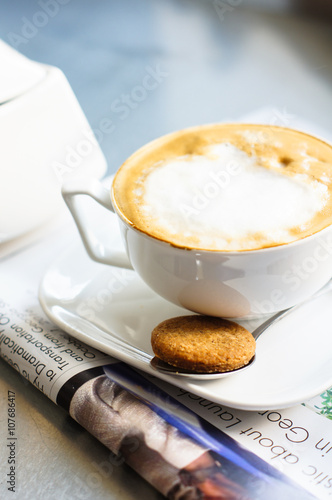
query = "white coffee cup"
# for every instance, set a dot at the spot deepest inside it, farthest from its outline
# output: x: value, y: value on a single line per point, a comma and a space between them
x: 233, y: 284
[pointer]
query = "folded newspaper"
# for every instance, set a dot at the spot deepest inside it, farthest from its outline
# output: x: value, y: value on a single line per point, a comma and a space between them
x: 179, y: 453
x: 186, y: 446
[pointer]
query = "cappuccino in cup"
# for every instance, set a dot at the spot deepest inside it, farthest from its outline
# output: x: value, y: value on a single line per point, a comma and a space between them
x: 229, y: 220
x: 227, y: 187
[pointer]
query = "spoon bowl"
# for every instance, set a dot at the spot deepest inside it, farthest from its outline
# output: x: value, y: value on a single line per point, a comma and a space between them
x: 161, y: 366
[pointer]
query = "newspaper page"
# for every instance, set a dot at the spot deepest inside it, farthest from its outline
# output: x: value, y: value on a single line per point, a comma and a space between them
x: 173, y: 449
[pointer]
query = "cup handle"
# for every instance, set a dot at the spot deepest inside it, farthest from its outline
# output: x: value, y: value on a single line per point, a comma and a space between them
x: 96, y: 249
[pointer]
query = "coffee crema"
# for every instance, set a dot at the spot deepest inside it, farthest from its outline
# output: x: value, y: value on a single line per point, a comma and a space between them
x: 232, y: 187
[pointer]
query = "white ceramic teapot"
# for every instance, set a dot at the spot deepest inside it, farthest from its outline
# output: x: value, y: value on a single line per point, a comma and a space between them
x: 45, y: 139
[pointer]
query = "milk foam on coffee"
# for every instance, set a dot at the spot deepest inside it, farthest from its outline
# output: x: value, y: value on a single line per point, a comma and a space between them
x: 243, y: 189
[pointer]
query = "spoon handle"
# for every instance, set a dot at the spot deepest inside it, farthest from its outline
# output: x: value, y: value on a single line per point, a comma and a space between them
x: 276, y: 317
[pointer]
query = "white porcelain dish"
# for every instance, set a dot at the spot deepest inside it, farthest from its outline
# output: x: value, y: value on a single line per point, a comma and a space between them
x: 112, y: 310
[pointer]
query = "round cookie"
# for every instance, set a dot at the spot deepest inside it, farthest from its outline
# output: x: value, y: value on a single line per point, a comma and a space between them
x: 203, y: 343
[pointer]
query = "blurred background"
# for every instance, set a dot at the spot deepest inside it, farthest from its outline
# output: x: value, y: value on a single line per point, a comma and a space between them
x: 142, y: 68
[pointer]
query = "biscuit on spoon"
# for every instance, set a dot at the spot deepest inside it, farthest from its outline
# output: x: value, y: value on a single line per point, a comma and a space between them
x: 203, y: 344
